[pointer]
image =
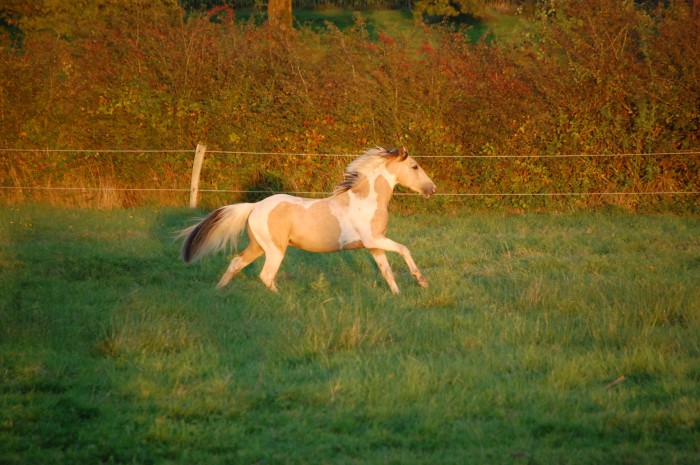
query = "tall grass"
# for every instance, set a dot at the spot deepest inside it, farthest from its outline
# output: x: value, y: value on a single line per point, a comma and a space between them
x: 544, y: 338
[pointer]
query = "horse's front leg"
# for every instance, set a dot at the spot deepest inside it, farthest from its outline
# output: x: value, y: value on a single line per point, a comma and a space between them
x: 388, y: 245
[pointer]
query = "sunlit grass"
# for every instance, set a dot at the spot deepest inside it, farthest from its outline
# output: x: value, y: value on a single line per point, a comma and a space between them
x: 543, y: 338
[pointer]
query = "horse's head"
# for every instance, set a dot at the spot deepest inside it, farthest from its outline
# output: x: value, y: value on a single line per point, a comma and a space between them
x: 408, y: 173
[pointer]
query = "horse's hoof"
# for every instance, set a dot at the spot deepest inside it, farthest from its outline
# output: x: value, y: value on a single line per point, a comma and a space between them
x: 422, y: 282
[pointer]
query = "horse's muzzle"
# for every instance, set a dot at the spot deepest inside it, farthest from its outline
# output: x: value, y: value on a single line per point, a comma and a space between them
x: 429, y: 190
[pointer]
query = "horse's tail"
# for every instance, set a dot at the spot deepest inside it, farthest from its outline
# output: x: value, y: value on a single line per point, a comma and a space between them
x: 223, y: 226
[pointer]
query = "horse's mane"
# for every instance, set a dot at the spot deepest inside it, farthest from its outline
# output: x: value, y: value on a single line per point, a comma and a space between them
x: 361, y: 167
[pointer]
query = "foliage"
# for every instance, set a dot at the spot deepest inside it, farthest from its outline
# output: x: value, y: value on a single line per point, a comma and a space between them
x: 543, y: 338
x: 571, y: 80
x: 279, y: 15
x: 75, y: 19
x: 204, y: 5
x: 450, y: 7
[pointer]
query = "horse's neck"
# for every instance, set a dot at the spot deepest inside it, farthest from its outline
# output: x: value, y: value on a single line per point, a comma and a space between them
x: 377, y: 186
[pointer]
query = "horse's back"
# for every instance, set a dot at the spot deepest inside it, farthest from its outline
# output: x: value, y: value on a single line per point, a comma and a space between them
x: 308, y: 224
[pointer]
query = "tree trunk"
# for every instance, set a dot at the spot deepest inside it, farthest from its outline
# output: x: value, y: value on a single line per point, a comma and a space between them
x: 279, y: 14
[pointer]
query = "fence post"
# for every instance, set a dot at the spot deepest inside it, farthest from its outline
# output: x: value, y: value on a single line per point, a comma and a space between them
x: 196, y: 170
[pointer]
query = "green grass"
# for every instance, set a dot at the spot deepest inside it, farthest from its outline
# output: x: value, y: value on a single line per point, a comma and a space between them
x: 544, y: 338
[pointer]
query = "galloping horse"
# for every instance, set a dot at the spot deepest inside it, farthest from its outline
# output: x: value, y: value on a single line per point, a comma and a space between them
x: 354, y: 217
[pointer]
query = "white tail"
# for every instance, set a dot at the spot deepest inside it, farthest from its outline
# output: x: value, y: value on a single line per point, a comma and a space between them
x: 222, y: 227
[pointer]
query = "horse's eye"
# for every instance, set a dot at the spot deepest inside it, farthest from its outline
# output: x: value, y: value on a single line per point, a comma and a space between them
x: 415, y: 167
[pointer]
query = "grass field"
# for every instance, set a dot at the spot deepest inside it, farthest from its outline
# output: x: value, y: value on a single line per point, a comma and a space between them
x: 544, y: 338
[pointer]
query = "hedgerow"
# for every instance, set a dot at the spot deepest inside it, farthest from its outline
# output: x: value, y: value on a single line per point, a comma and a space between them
x: 587, y: 78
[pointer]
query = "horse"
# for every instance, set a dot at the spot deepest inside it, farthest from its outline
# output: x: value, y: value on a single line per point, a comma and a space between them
x: 355, y: 216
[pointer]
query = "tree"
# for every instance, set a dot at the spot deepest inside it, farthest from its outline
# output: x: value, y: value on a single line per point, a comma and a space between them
x: 279, y: 14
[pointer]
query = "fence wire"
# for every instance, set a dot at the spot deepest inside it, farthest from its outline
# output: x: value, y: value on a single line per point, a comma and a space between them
x: 349, y: 155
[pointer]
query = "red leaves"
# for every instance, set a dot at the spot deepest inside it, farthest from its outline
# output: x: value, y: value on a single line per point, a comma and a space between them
x: 386, y: 39
x: 221, y: 14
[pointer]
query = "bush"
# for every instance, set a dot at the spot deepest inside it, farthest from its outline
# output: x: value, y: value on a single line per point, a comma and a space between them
x: 585, y: 78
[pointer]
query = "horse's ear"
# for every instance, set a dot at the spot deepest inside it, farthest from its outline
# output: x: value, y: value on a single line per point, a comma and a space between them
x: 398, y: 152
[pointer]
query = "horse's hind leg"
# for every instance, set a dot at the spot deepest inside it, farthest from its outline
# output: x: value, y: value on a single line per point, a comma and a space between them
x: 383, y: 264
x: 273, y: 260
x: 244, y: 259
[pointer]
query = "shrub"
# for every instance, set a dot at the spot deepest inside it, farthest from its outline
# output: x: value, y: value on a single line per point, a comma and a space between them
x: 585, y: 78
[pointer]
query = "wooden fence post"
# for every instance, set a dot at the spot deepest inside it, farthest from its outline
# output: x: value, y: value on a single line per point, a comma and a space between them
x: 196, y: 170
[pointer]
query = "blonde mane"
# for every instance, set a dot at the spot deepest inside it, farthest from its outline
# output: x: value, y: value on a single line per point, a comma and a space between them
x: 361, y: 167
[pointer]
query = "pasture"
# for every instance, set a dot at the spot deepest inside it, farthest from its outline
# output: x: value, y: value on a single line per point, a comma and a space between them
x: 544, y: 338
